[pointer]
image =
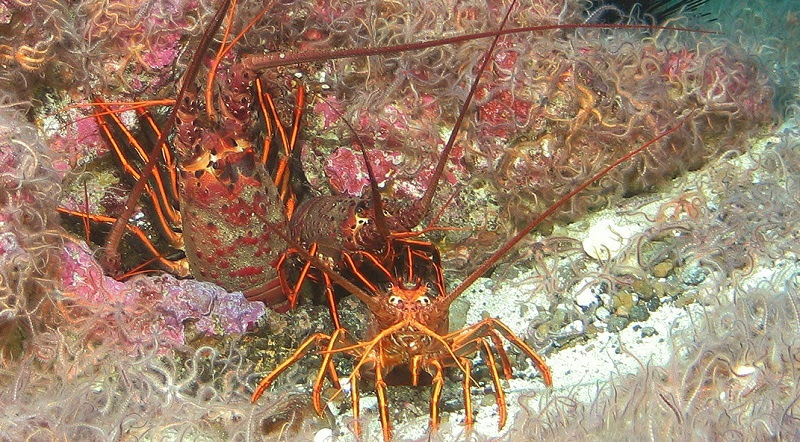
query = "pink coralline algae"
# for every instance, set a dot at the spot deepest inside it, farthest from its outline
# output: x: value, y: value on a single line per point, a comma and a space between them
x: 76, y: 142
x: 163, y: 52
x: 347, y: 172
x: 147, y: 310
x: 392, y: 140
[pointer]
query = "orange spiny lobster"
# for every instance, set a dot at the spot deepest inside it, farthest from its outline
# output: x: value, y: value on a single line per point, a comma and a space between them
x: 402, y: 284
x: 233, y: 211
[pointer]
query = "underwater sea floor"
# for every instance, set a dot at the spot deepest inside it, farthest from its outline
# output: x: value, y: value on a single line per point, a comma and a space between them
x: 700, y: 346
x: 670, y: 315
x: 677, y: 315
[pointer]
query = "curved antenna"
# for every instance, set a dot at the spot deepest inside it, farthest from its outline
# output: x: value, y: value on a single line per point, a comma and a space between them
x: 550, y: 210
x: 278, y: 59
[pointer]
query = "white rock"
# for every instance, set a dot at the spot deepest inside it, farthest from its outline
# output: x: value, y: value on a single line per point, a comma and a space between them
x: 573, y: 328
x: 586, y: 300
x: 324, y: 435
x: 607, y: 236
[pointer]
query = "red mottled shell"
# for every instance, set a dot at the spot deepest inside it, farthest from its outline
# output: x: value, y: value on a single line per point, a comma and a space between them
x: 329, y: 221
x: 224, y: 227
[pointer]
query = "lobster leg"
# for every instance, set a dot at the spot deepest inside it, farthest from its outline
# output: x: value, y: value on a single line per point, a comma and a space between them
x: 165, y: 214
x: 436, y: 392
x: 416, y: 368
x: 463, y: 338
x: 475, y: 344
x: 315, y: 339
x: 498, y: 344
x: 380, y: 391
x: 170, y: 163
x: 468, y: 420
x: 500, y: 396
x: 327, y: 365
x: 292, y: 292
x: 179, y: 268
x: 288, y: 141
x: 331, y: 301
x: 356, y: 401
x: 270, y: 293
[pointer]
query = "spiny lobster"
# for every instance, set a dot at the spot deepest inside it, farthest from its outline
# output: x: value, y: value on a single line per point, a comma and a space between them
x: 358, y: 244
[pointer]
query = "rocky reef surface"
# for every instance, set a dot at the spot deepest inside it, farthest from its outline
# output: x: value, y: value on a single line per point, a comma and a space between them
x: 665, y: 298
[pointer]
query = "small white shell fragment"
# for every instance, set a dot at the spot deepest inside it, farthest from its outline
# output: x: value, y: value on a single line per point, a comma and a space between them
x: 344, y: 383
x: 607, y: 236
x: 324, y: 435
x: 573, y: 328
x: 744, y: 370
x: 586, y: 300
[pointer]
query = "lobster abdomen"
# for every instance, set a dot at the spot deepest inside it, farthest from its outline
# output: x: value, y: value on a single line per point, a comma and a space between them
x: 224, y: 226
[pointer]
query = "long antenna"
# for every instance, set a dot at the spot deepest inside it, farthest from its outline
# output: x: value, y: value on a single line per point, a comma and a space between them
x: 111, y: 257
x: 550, y: 210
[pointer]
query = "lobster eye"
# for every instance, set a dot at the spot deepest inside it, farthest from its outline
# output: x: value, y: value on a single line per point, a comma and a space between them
x: 424, y: 301
x: 396, y: 301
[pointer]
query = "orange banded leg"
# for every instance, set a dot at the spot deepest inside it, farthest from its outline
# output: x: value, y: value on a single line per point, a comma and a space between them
x: 159, y: 193
x: 270, y: 293
x: 383, y: 408
x: 316, y: 339
x: 327, y: 365
x: 178, y: 268
x: 354, y: 398
x: 500, y: 395
x: 468, y: 419
x: 498, y: 345
x: 480, y: 343
x: 331, y: 301
x: 292, y: 292
x: 170, y: 163
x: 416, y: 368
x: 487, y: 328
x: 475, y: 343
x: 289, y: 141
x: 474, y: 338
x: 436, y: 393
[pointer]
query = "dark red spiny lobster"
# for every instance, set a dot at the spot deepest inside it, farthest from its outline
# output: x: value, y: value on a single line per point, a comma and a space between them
x: 243, y: 228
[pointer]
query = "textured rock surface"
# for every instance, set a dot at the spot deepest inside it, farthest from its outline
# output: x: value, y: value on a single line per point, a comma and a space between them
x: 160, y: 358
